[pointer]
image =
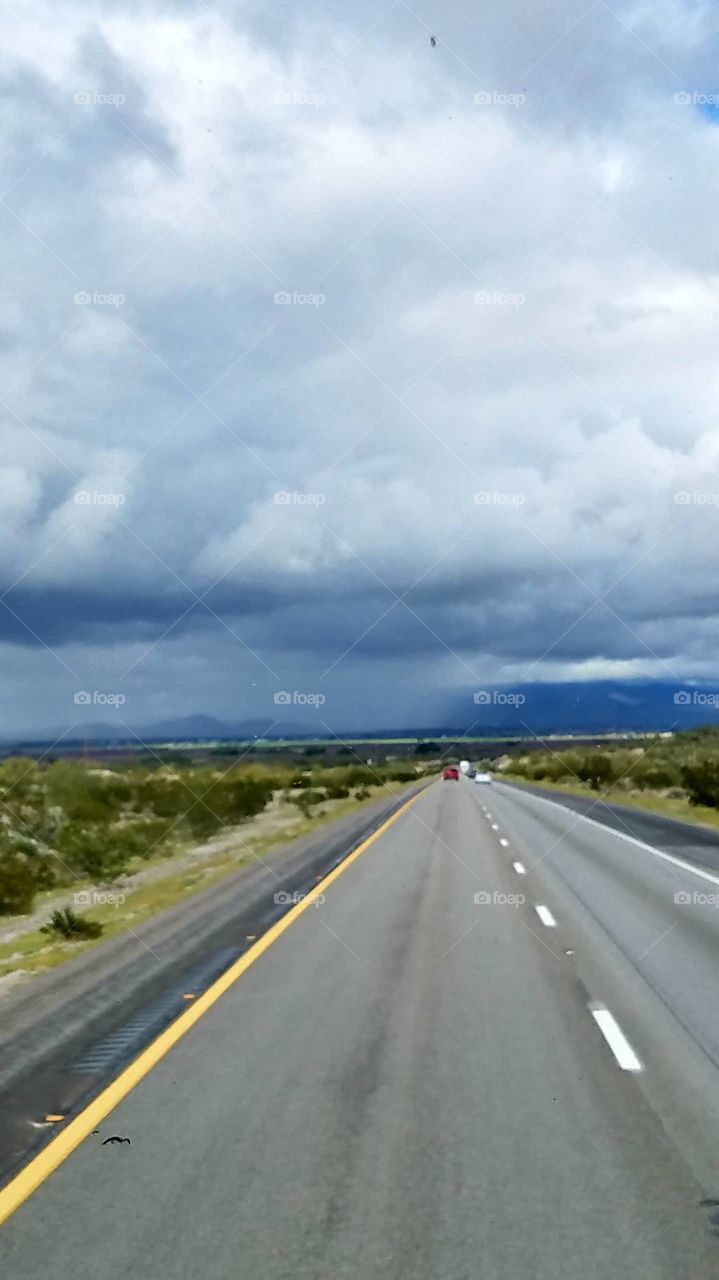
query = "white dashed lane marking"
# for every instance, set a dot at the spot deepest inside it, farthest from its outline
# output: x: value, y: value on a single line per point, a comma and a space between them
x: 615, y: 1038
x: 546, y: 917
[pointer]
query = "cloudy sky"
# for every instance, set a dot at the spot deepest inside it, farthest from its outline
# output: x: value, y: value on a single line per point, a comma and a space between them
x: 335, y: 360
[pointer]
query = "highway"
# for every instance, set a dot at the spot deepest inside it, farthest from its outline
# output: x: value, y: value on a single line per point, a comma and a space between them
x: 490, y: 1049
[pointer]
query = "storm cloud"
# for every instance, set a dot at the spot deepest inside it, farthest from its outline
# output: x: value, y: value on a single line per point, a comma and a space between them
x: 332, y: 360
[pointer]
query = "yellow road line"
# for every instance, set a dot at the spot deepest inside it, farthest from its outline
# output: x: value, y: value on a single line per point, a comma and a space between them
x: 57, y: 1151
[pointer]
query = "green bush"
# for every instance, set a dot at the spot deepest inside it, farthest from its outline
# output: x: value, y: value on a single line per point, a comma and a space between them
x: 67, y: 924
x: 83, y: 794
x: 302, y: 803
x: 17, y: 885
x: 95, y: 851
x: 702, y: 782
x: 399, y: 773
x: 308, y: 798
x: 552, y: 768
x: 654, y: 775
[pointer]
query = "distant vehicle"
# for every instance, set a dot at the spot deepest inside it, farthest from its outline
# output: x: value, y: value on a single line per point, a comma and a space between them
x: 464, y: 766
x: 482, y: 777
x: 451, y: 773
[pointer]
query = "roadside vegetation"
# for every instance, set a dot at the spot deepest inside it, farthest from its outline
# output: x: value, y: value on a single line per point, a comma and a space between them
x: 72, y: 822
x: 676, y: 774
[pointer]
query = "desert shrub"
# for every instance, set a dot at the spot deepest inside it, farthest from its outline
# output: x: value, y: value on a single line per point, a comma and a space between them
x: 336, y: 792
x: 299, y: 781
x: 552, y: 768
x: 654, y: 775
x: 595, y: 768
x: 701, y: 781
x: 312, y: 797
x: 164, y: 795
x: 300, y: 799
x: 98, y: 851
x: 17, y: 885
x: 358, y: 775
x: 82, y: 794
x: 398, y: 773
x: 306, y: 799
x: 65, y: 923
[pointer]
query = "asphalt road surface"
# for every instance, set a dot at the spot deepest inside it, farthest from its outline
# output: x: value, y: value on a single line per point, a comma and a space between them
x: 63, y: 1035
x: 688, y: 840
x: 491, y: 1051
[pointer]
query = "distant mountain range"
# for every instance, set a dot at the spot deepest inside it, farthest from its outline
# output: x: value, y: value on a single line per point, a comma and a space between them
x: 183, y: 729
x: 591, y: 706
